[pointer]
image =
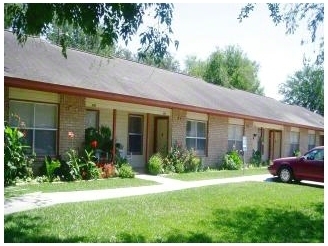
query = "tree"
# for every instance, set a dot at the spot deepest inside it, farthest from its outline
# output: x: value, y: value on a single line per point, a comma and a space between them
x: 194, y: 66
x: 77, y: 39
x: 305, y: 89
x: 114, y: 20
x: 292, y: 15
x: 168, y: 62
x: 125, y: 54
x: 229, y: 68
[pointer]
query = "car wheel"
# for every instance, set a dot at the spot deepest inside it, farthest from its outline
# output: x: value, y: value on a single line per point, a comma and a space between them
x: 285, y: 175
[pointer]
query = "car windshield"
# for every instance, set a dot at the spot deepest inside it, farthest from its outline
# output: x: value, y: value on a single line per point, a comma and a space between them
x: 316, y: 154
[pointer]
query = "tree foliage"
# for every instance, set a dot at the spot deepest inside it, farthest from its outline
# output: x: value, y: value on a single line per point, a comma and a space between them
x: 194, y: 66
x: 168, y: 62
x: 305, y: 89
x: 292, y: 15
x: 77, y: 39
x: 229, y: 68
x: 111, y: 20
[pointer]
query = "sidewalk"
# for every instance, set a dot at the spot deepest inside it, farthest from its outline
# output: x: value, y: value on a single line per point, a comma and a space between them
x: 39, y: 199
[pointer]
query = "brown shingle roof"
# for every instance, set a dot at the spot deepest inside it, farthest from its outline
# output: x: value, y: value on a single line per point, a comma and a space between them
x: 40, y: 61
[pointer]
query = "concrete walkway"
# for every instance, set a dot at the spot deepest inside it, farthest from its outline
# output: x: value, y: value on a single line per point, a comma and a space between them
x: 39, y: 199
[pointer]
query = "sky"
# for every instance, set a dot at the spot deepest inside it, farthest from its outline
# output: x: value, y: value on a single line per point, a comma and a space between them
x: 200, y: 28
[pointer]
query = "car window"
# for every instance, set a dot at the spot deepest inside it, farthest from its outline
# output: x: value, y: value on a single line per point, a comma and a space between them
x: 317, y: 154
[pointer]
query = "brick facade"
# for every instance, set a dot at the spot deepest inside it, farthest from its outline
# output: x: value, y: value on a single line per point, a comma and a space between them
x: 71, y: 119
x: 304, y: 140
x: 217, y: 143
x: 179, y: 125
x: 285, y: 141
x: 249, y: 131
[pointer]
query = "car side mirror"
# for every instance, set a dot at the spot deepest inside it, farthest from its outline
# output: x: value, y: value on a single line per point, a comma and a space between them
x: 302, y: 158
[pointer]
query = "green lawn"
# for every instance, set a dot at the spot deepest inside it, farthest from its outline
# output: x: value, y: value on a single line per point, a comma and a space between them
x: 215, y: 174
x: 110, y: 183
x: 249, y: 212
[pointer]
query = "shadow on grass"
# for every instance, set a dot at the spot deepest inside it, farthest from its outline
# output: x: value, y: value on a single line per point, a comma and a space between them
x: 253, y: 225
x: 239, y: 224
x: 26, y: 229
x: 190, y: 237
x: 242, y: 225
x: 173, y: 237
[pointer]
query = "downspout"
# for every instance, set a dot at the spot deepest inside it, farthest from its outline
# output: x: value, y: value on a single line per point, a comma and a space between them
x: 147, y: 140
x: 114, y: 136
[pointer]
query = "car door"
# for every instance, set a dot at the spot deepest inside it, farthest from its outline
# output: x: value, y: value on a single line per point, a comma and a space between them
x: 311, y: 166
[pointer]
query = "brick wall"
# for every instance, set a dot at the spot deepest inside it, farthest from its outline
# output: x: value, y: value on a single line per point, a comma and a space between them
x: 179, y: 125
x: 249, y: 130
x: 217, y: 140
x: 285, y: 141
x: 318, y: 139
x: 304, y: 140
x: 71, y: 119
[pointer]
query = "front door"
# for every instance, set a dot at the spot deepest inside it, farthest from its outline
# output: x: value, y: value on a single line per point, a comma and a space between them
x: 161, y: 135
x: 275, y: 145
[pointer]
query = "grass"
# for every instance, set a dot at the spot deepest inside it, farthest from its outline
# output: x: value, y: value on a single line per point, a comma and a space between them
x: 248, y: 212
x: 215, y: 174
x: 25, y: 188
x: 110, y: 183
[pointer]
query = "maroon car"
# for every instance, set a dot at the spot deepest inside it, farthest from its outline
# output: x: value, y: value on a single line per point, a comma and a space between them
x: 307, y: 167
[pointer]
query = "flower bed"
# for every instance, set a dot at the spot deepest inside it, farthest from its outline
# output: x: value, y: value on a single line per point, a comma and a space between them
x: 106, y: 170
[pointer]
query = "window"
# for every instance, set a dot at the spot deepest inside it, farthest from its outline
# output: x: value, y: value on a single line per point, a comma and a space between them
x: 38, y: 121
x: 294, y: 142
x: 135, y: 141
x: 311, y: 141
x: 196, y: 136
x: 235, y: 137
x: 317, y: 154
x: 91, y: 119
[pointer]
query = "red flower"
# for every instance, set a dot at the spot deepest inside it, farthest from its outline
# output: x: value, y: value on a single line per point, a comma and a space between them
x: 94, y: 144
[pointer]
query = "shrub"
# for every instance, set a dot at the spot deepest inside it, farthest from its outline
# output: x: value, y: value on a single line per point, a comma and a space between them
x: 181, y: 160
x: 108, y: 170
x: 88, y: 168
x: 120, y: 161
x: 232, y: 161
x: 256, y: 158
x: 101, y: 141
x: 175, y: 159
x: 193, y: 164
x: 179, y: 166
x: 16, y: 163
x: 74, y: 164
x: 125, y: 171
x: 64, y: 171
x: 155, y: 164
x: 51, y: 166
x: 297, y: 153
